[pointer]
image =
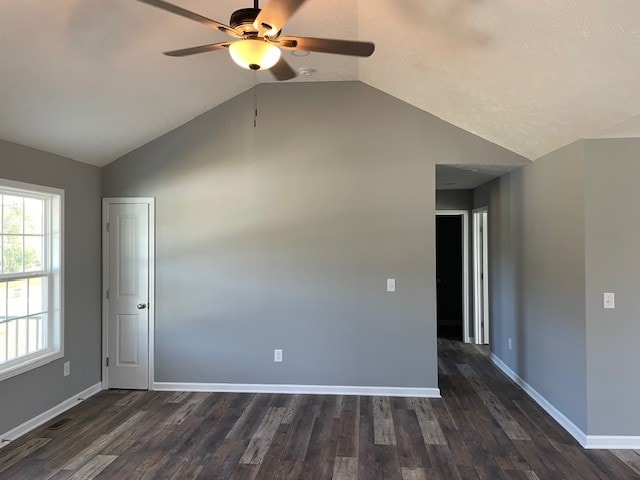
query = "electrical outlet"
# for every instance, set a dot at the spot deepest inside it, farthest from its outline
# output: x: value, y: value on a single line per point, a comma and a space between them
x: 277, y: 355
x: 67, y: 368
x: 510, y: 344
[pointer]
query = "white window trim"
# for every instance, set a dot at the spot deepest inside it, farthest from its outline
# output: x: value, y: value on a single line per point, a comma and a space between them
x: 56, y: 349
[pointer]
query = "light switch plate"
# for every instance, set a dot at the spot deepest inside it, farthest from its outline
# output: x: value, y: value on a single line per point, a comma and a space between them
x: 609, y: 300
x: 391, y: 284
x: 277, y: 355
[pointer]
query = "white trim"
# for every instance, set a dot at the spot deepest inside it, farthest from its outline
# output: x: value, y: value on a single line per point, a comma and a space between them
x: 37, y: 361
x: 480, y: 295
x: 301, y: 389
x: 54, y: 258
x: 152, y: 290
x: 105, y: 304
x: 44, y: 417
x: 20, y: 187
x: 151, y: 202
x: 557, y: 415
x: 485, y: 270
x: 613, y: 442
x: 465, y: 266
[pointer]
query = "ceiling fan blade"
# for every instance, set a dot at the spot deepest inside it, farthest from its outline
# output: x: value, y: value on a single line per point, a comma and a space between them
x: 274, y: 15
x: 282, y: 70
x: 201, y: 49
x: 327, y: 45
x: 169, y: 7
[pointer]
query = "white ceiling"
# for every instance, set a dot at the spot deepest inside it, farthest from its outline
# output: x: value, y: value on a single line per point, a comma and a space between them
x: 86, y: 78
x: 630, y: 128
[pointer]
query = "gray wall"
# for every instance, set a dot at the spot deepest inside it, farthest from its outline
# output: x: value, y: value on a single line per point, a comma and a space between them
x: 561, y: 234
x: 24, y: 396
x: 613, y: 265
x: 503, y: 277
x: 454, y: 200
x: 282, y: 236
x: 537, y: 274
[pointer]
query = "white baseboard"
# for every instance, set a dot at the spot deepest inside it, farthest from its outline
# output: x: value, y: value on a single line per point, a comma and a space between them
x: 303, y: 389
x: 609, y: 442
x: 44, y: 417
x: 613, y: 442
x: 557, y: 415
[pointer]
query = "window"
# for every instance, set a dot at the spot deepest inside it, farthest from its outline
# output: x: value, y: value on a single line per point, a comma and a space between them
x: 30, y: 276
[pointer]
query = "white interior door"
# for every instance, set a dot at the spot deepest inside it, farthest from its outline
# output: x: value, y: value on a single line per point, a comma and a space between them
x: 128, y: 294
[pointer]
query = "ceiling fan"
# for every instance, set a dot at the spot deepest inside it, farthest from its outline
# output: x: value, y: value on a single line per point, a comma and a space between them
x: 258, y: 44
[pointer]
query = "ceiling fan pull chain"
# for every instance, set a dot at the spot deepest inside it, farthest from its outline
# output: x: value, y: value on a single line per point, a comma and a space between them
x: 255, y: 100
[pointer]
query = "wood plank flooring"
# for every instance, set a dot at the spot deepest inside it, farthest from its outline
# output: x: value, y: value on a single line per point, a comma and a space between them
x: 484, y: 427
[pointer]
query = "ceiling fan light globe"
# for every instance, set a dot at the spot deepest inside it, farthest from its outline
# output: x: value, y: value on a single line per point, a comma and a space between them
x: 252, y: 53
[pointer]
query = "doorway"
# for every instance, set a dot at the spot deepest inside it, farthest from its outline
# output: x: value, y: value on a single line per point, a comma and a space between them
x: 128, y: 292
x: 452, y: 274
x: 481, y: 276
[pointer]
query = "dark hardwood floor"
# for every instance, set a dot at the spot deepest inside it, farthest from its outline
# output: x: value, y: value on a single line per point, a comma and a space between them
x: 484, y: 427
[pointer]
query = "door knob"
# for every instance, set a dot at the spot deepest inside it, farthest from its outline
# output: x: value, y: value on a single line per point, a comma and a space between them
x: 142, y: 306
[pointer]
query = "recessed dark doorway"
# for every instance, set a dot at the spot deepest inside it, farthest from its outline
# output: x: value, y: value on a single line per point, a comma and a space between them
x: 449, y: 276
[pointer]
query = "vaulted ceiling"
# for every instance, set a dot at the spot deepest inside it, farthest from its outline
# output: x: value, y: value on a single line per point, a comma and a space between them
x: 86, y: 78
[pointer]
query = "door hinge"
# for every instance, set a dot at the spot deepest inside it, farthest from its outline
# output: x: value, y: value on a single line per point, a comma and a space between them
x: 108, y: 226
x: 107, y: 295
x: 107, y: 361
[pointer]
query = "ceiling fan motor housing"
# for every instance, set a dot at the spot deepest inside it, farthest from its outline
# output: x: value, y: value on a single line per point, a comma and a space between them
x: 242, y: 20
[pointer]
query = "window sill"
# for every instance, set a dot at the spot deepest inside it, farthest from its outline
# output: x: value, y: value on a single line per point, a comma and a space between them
x: 30, y: 364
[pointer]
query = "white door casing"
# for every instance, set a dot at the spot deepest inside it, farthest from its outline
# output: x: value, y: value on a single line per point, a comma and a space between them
x: 481, y: 275
x: 128, y: 293
x: 464, y: 215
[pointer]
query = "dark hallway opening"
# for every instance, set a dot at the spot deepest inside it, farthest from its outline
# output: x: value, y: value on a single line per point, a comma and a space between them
x: 449, y: 276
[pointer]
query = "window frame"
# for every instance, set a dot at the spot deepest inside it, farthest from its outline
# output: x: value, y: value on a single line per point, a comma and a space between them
x: 53, y: 256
